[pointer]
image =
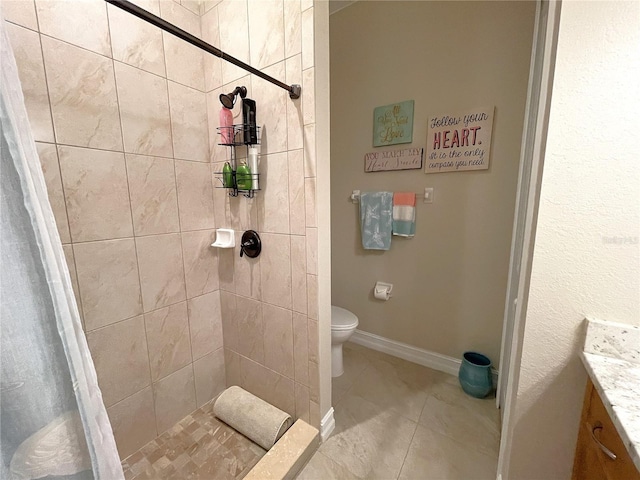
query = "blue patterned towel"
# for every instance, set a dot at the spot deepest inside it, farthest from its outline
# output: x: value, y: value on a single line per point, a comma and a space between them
x: 376, y: 218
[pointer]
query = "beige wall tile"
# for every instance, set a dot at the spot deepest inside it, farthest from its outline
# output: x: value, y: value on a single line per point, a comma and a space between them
x: 266, y: 35
x: 307, y: 37
x: 308, y: 101
x: 292, y: 28
x: 205, y: 321
x: 96, y: 193
x: 21, y: 12
x: 272, y: 110
x: 195, y: 195
x: 119, y: 353
x: 83, y: 97
x: 200, y: 262
x: 243, y: 213
x: 220, y: 196
x: 313, y: 341
x: 301, y: 349
x: 154, y: 200
x: 312, y: 250
x: 246, y: 275
x: 209, y: 374
x: 86, y: 27
x: 310, y: 201
x: 305, y: 4
x: 218, y: 153
x: 180, y: 16
x: 162, y: 282
x: 310, y: 150
x: 234, y: 37
x: 192, y: 5
x: 278, y: 339
x: 296, y: 192
x: 71, y: 265
x: 185, y: 63
x: 168, y: 338
x: 174, y: 397
x: 108, y: 281
x: 136, y: 42
x: 144, y: 109
x: 226, y: 269
x: 312, y: 297
x: 302, y: 402
x: 232, y: 367
x: 272, y: 387
x: 276, y: 269
x: 51, y: 169
x: 250, y: 333
x: 229, y: 321
x: 212, y: 64
x: 273, y: 200
x: 133, y: 422
x: 314, y: 382
x: 189, y: 123
x: 299, y: 273
x: 314, y: 414
x: 28, y: 54
x: 293, y: 67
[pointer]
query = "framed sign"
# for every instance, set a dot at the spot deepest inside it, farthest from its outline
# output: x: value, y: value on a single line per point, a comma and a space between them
x: 393, y: 124
x: 458, y: 142
x: 405, y: 159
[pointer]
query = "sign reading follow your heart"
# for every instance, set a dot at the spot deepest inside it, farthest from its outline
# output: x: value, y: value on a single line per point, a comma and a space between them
x: 460, y: 141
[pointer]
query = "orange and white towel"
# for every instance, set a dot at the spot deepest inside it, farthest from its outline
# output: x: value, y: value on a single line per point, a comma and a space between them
x: 404, y: 214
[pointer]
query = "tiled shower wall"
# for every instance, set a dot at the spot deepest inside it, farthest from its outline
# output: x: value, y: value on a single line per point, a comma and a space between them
x: 269, y: 304
x: 118, y: 110
x: 123, y: 116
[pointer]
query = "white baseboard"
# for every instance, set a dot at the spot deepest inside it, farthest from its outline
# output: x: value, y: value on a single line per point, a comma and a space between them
x: 442, y: 363
x: 327, y: 424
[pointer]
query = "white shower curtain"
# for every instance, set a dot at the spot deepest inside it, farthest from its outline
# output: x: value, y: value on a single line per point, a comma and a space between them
x: 52, y: 419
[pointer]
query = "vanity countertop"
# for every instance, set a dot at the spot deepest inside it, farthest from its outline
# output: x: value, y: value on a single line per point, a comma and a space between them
x: 612, y: 358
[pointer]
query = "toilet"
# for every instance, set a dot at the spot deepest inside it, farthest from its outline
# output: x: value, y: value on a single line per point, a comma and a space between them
x: 343, y: 324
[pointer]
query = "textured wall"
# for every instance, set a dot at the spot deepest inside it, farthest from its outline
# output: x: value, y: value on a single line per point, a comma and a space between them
x: 269, y: 304
x: 450, y: 280
x: 587, y: 253
x: 124, y: 117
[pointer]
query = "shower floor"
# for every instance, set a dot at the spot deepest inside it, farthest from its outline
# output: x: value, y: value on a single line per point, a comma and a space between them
x: 197, y: 447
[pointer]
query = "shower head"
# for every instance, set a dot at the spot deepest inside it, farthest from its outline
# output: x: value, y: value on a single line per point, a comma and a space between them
x: 228, y: 100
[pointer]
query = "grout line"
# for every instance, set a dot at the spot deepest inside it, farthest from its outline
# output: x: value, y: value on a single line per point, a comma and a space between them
x: 408, y: 449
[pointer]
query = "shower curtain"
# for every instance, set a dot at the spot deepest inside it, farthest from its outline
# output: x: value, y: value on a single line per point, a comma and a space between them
x: 53, y: 422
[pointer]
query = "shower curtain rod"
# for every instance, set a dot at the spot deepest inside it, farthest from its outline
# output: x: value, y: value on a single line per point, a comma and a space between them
x: 294, y: 90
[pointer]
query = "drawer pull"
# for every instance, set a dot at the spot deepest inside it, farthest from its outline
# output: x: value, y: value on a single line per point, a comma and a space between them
x: 598, y: 426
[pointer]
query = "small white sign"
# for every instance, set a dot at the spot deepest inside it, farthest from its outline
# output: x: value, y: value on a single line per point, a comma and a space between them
x: 459, y: 142
x: 405, y: 159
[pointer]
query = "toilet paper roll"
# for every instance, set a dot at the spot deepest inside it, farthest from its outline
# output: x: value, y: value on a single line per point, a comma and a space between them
x: 381, y: 294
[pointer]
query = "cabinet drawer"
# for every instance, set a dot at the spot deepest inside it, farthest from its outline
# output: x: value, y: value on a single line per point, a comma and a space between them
x: 603, y: 438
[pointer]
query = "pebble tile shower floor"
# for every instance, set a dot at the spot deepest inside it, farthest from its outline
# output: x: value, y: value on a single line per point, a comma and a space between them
x: 199, y: 447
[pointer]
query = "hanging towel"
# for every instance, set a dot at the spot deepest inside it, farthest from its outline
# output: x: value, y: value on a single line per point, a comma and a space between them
x: 404, y: 214
x: 376, y: 211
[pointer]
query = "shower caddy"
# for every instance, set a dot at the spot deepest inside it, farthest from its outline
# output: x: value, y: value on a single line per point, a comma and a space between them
x: 240, y: 133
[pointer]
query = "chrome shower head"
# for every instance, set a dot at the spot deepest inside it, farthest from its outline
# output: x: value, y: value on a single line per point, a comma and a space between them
x: 228, y: 100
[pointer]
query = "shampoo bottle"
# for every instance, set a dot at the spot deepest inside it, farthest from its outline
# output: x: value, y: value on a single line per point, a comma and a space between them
x: 226, y: 126
x: 253, y: 166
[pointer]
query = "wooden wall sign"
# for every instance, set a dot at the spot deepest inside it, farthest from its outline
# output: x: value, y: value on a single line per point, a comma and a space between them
x: 405, y: 159
x: 393, y: 124
x: 458, y: 142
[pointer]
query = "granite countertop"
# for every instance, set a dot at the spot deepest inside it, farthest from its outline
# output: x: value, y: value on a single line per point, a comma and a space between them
x: 612, y: 358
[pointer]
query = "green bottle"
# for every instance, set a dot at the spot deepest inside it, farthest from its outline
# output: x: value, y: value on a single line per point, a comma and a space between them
x: 243, y: 177
x: 227, y: 176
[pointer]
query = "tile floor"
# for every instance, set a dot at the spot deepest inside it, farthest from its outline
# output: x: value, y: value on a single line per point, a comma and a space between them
x: 399, y: 420
x: 199, y: 447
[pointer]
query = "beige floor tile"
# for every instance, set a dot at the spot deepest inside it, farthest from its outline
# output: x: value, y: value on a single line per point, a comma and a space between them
x: 474, y: 422
x: 321, y: 467
x: 434, y: 456
x: 369, y: 441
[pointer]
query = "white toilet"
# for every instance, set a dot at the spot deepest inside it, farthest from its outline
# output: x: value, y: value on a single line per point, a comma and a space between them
x: 343, y: 324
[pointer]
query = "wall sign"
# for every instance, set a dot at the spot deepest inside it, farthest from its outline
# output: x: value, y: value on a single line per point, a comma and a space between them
x: 393, y: 124
x: 405, y: 159
x: 460, y: 141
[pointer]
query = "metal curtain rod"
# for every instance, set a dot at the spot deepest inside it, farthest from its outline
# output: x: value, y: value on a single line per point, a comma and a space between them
x: 294, y: 90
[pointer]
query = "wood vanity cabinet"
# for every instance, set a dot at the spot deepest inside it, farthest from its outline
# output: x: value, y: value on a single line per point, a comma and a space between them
x: 598, y: 441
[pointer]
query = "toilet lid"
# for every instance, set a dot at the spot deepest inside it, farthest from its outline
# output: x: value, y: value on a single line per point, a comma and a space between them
x: 342, y: 319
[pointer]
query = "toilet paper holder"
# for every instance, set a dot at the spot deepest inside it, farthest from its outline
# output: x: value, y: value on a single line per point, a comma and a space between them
x: 382, y: 290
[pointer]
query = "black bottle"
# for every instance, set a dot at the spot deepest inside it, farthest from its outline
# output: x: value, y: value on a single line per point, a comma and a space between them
x: 249, y: 121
